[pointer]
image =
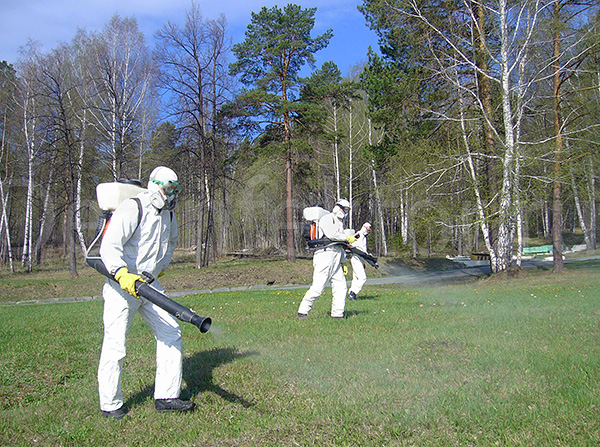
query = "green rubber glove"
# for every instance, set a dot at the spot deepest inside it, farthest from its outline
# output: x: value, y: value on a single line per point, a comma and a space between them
x: 350, y: 239
x: 345, y: 268
x: 127, y: 280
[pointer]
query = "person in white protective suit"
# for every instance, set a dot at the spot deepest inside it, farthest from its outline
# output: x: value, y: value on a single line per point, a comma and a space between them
x: 329, y: 263
x: 359, y: 276
x: 133, y: 244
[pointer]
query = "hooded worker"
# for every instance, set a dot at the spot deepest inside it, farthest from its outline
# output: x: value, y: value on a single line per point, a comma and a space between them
x: 141, y: 237
x: 328, y: 262
x: 359, y: 276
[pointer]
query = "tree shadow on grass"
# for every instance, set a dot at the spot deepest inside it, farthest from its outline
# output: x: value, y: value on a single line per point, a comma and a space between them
x: 587, y: 264
x: 198, y: 375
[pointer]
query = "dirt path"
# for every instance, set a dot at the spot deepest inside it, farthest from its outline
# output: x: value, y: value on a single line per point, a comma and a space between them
x: 393, y: 275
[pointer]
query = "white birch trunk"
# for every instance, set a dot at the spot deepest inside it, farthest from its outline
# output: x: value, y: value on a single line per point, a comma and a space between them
x: 5, y: 225
x: 44, y: 215
x: 336, y: 158
x: 502, y: 256
x: 113, y: 142
x: 546, y: 220
x: 404, y: 214
x: 517, y: 180
x: 78, y: 175
x: 30, y: 143
x: 377, y: 197
x: 580, y: 216
x: 519, y: 234
x: 209, y: 211
x: 351, y: 163
x: 3, y: 200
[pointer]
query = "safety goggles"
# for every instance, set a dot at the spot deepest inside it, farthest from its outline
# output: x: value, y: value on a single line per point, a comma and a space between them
x: 170, y: 188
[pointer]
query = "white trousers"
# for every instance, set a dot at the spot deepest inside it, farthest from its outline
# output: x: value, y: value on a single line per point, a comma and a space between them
x: 119, y: 309
x: 327, y: 267
x: 359, y: 276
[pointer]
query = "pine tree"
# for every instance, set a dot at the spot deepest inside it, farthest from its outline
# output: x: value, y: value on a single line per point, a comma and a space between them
x: 277, y: 45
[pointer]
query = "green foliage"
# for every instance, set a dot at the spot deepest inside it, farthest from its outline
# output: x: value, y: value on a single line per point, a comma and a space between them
x: 322, y: 82
x: 164, y: 145
x: 8, y: 88
x: 325, y: 90
x: 305, y: 172
x: 427, y: 226
x: 398, y: 245
x: 277, y: 45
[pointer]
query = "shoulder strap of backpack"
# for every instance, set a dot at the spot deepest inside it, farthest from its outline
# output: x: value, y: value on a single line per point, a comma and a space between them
x: 140, y: 211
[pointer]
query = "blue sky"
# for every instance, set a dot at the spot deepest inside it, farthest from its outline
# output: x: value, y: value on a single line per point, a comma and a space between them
x: 52, y: 21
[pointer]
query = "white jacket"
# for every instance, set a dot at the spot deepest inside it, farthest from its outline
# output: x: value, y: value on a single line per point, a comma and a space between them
x: 331, y: 227
x: 144, y: 248
x: 361, y: 242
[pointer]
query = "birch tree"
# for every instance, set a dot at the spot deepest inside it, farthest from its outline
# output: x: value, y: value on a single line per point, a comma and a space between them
x: 30, y: 108
x: 8, y: 88
x: 331, y: 96
x: 193, y: 72
x: 381, y: 231
x: 121, y: 71
x: 448, y: 46
x: 60, y: 83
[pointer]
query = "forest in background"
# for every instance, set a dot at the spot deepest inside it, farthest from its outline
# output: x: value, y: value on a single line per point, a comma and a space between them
x: 474, y: 129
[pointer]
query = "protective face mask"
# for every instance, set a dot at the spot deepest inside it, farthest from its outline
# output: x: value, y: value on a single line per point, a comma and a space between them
x: 157, y: 200
x: 339, y: 213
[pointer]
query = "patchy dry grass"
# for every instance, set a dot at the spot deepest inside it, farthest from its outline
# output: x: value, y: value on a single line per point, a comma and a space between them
x: 52, y: 280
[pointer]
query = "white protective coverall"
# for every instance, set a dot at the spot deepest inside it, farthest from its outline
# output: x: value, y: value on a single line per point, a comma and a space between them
x: 147, y: 247
x: 327, y: 265
x: 359, y: 276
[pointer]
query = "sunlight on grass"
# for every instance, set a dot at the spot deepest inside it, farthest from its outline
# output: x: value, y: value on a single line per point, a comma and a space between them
x: 490, y: 363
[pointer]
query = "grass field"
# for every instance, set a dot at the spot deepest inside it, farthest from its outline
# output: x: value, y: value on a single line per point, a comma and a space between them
x: 512, y: 362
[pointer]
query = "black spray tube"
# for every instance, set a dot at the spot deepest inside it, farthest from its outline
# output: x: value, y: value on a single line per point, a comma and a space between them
x: 144, y: 289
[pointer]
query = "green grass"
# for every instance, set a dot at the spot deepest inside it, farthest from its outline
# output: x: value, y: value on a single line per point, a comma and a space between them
x: 493, y: 363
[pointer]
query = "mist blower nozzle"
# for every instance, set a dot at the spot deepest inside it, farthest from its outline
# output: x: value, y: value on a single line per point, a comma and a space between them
x: 153, y: 295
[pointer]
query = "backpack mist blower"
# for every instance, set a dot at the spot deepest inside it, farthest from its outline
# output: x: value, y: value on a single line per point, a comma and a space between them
x: 312, y: 215
x: 109, y: 196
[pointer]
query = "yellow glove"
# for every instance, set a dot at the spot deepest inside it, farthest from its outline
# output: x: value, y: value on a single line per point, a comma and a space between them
x: 127, y: 280
x: 345, y: 268
x: 350, y: 239
x: 162, y: 273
